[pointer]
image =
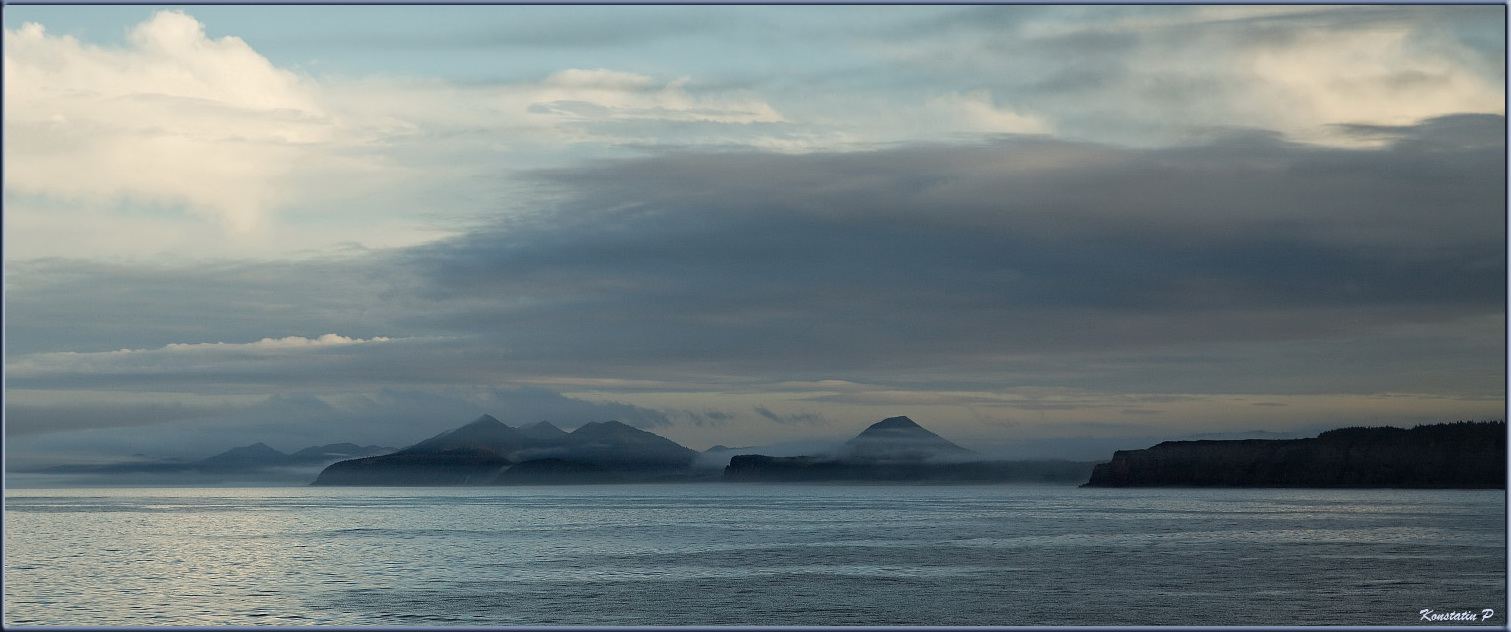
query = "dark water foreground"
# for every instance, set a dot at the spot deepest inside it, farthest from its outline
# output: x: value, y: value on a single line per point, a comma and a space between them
x: 750, y: 555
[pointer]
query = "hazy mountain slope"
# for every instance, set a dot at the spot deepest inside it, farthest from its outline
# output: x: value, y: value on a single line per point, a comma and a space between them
x: 898, y: 450
x: 479, y: 452
x: 900, y: 439
x: 485, y: 432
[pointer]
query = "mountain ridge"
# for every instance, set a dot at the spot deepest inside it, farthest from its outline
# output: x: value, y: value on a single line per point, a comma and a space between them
x: 900, y: 439
x: 486, y: 449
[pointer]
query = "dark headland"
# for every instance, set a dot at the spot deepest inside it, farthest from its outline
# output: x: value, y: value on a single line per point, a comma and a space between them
x: 1470, y: 455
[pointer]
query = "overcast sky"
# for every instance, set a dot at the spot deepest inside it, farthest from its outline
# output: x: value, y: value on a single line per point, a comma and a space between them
x: 1018, y: 225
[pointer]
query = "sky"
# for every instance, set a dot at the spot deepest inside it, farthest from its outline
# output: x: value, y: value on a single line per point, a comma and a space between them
x: 1036, y: 230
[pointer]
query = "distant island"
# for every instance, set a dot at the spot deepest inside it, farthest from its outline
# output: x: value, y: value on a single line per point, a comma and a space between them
x: 1468, y: 455
x: 895, y: 450
x: 489, y: 452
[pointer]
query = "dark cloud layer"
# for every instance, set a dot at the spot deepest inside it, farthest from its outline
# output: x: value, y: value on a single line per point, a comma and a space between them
x: 86, y: 306
x: 929, y: 254
x: 915, y: 259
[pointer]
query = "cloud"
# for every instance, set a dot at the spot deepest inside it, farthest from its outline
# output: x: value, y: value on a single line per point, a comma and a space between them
x: 179, y: 143
x: 790, y: 418
x: 171, y: 357
x: 612, y: 107
x: 176, y: 118
x: 1369, y: 76
x: 513, y: 124
x: 1150, y: 75
x: 904, y: 398
x: 175, y: 125
x: 706, y: 418
x: 578, y: 94
x: 286, y: 342
x: 936, y: 254
x: 977, y: 112
x: 199, y: 145
x: 929, y: 268
x: 88, y: 306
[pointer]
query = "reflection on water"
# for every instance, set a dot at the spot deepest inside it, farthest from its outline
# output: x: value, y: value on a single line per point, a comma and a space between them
x: 749, y: 554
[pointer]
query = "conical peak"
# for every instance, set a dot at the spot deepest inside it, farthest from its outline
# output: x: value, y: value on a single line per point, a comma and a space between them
x: 894, y: 422
x: 256, y: 448
x: 485, y: 425
x: 484, y: 430
x: 486, y: 420
x: 895, y: 427
x: 603, y: 428
x: 899, y: 438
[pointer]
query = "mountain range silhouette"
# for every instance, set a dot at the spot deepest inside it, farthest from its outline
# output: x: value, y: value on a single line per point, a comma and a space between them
x: 484, y: 451
x: 487, y: 451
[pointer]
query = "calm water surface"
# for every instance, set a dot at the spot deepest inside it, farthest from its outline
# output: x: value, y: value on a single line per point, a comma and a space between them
x: 724, y: 554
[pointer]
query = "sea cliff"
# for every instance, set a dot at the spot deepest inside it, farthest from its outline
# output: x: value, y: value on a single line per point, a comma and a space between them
x: 1457, y: 455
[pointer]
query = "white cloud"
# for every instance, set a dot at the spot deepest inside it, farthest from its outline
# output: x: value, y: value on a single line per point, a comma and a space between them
x: 174, y: 356
x: 976, y: 111
x: 1371, y: 77
x: 622, y: 95
x: 184, y: 144
x: 287, y: 342
x: 1155, y: 75
x: 179, y: 143
x: 1302, y: 70
x: 175, y: 118
x: 599, y: 106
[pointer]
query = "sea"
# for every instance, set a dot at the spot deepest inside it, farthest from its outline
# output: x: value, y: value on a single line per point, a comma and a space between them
x: 716, y: 554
